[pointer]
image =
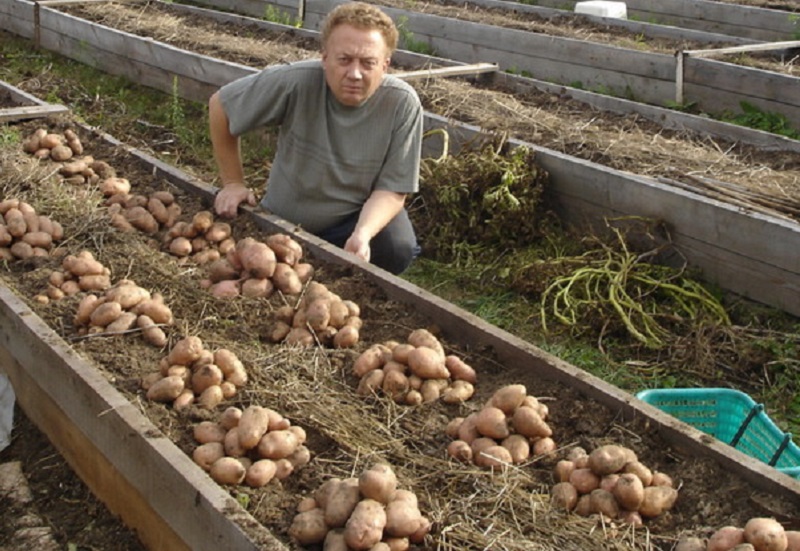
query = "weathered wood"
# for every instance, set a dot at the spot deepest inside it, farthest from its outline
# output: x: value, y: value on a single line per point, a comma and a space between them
x: 125, y: 460
x: 459, y: 70
x: 718, y: 17
x: 30, y: 112
x: 767, y: 47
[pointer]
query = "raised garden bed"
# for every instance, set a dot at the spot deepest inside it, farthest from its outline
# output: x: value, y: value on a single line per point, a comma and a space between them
x: 754, y: 260
x: 85, y: 394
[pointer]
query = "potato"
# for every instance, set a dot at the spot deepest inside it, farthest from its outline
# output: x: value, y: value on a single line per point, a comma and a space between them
x: 370, y: 359
x: 584, y: 480
x: 793, y: 540
x: 334, y: 541
x: 210, y: 397
x: 518, y: 446
x: 604, y: 503
x: 208, y: 431
x: 370, y: 383
x: 346, y: 337
x: 231, y: 443
x: 365, y: 526
x: 608, y: 481
x: 451, y: 429
x: 657, y: 500
x: 309, y: 528
x: 459, y: 370
x: 508, y: 398
x: 61, y: 152
x: 402, y: 519
x: 544, y: 446
x: 185, y: 351
x: 342, y: 501
x: 608, y: 459
x: 300, y: 457
x: 423, y: 337
x: 128, y: 294
x: 286, y: 279
x: 427, y: 363
x: 85, y: 308
x: 155, y: 309
x: 457, y: 392
x: 725, y: 538
x: 151, y: 332
x: 257, y: 259
x: 468, y: 430
x: 528, y: 422
x: 460, y: 451
x: 253, y: 425
x: 277, y: 444
x: 260, y: 473
x: 141, y: 219
x: 641, y: 470
x: 166, y: 389
x: 395, y: 385
x: 379, y: 482
x: 207, y: 454
x: 629, y: 491
x: 563, y: 470
x: 564, y: 496
x: 228, y: 470
x: 21, y: 250
x: 584, y: 506
x: 286, y: 249
x: 492, y: 422
x: 661, y: 479
x: 431, y: 389
x: 123, y: 323
x: 765, y: 534
x: 494, y: 457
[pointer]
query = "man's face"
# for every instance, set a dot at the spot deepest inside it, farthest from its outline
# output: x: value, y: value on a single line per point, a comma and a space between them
x: 355, y: 61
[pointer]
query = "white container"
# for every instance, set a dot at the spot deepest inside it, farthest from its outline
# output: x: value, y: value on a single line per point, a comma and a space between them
x: 602, y: 8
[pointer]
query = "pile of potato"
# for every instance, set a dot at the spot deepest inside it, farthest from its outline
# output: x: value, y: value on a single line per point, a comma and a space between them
x: 200, y: 240
x: 509, y: 428
x: 367, y: 512
x: 123, y: 307
x: 414, y: 372
x: 59, y: 147
x: 192, y: 374
x: 256, y: 268
x: 79, y: 272
x: 135, y: 212
x: 758, y: 534
x: 24, y: 233
x: 321, y: 316
x: 611, y: 481
x: 251, y: 446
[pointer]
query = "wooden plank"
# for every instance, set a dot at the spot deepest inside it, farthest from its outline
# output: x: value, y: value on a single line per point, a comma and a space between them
x: 30, y: 112
x: 16, y: 16
x: 459, y: 70
x: 768, y: 47
x: 128, y: 463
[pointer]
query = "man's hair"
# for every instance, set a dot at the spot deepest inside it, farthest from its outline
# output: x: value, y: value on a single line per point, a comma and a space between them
x: 361, y: 16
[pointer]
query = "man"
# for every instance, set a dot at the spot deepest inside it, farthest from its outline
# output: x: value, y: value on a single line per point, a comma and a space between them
x: 349, y: 141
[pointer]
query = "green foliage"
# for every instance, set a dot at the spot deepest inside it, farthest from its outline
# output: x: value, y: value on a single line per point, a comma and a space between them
x: 754, y: 117
x: 520, y: 72
x: 685, y: 107
x: 9, y: 135
x: 275, y: 15
x: 408, y: 41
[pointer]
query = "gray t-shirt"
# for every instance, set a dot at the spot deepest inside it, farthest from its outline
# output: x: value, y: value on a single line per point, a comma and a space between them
x: 330, y: 156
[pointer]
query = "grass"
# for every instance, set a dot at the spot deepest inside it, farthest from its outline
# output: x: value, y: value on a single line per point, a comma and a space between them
x: 176, y: 131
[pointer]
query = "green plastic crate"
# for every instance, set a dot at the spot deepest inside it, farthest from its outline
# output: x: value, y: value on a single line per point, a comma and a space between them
x: 732, y: 417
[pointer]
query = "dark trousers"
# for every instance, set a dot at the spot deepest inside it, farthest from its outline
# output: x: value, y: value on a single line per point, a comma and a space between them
x: 393, y: 249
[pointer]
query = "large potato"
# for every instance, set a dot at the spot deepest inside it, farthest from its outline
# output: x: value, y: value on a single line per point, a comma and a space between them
x: 365, y: 526
x: 379, y: 482
x: 309, y: 527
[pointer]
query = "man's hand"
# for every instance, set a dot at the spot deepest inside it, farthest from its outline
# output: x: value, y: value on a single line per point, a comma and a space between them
x: 358, y: 244
x: 227, y: 201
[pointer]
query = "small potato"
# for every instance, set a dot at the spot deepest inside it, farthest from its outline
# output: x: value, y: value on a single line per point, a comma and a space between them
x: 402, y: 519
x: 519, y: 447
x: 277, y: 444
x: 423, y: 337
x: 309, y: 528
x: 544, y: 446
x: 228, y: 470
x: 459, y: 370
x: 629, y: 491
x: 725, y: 538
x: 457, y: 392
x: 185, y: 351
x: 346, y: 337
x: 641, y: 470
x: 260, y: 473
x: 379, y: 482
x: 341, y: 502
x: 509, y: 398
x: 563, y: 470
x: 206, y: 376
x: 765, y: 534
x: 230, y: 417
x: 657, y: 500
x: 372, y: 358
x: 207, y: 454
x: 460, y: 451
x: 166, y: 389
x: 370, y: 383
x: 365, y: 526
x: 492, y: 422
x: 564, y: 496
x: 210, y: 398
x: 427, y: 363
x: 208, y: 431
x: 604, y: 503
x: 253, y: 425
x: 584, y: 480
x: 286, y: 279
x: 494, y: 457
x: 468, y: 430
x: 608, y: 459
x: 528, y: 422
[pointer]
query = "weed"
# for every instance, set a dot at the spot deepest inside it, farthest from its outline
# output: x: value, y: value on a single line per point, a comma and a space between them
x: 275, y: 15
x: 9, y: 135
x: 409, y: 42
x: 754, y: 117
x: 520, y: 72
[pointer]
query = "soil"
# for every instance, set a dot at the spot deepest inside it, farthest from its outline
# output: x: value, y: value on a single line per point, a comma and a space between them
x: 458, y: 499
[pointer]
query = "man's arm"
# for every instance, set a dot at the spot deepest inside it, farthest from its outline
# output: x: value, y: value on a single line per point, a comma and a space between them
x: 379, y: 209
x: 229, y: 162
